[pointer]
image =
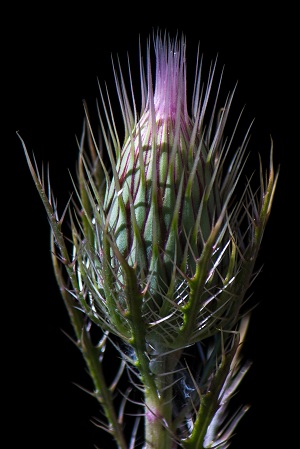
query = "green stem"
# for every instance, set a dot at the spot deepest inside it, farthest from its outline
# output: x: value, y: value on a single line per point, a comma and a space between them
x: 91, y: 356
x: 103, y: 393
x: 158, y: 410
x: 157, y: 385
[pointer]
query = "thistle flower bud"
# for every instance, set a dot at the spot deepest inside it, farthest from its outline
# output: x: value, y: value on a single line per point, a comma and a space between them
x: 159, y: 205
x: 167, y: 229
x: 164, y: 250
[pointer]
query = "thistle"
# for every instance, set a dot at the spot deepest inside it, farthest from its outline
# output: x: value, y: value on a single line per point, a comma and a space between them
x: 163, y: 251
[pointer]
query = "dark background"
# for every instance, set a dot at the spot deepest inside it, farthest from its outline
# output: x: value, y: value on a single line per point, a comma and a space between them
x: 54, y: 59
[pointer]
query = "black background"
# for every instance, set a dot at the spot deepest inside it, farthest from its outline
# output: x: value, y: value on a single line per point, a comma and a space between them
x: 54, y: 58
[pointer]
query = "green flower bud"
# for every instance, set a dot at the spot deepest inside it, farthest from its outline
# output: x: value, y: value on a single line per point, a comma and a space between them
x: 164, y: 249
x: 163, y: 202
x: 164, y: 227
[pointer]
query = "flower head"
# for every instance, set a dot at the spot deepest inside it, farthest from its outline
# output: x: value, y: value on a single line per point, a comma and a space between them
x: 164, y: 249
x: 159, y: 207
x: 168, y: 221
